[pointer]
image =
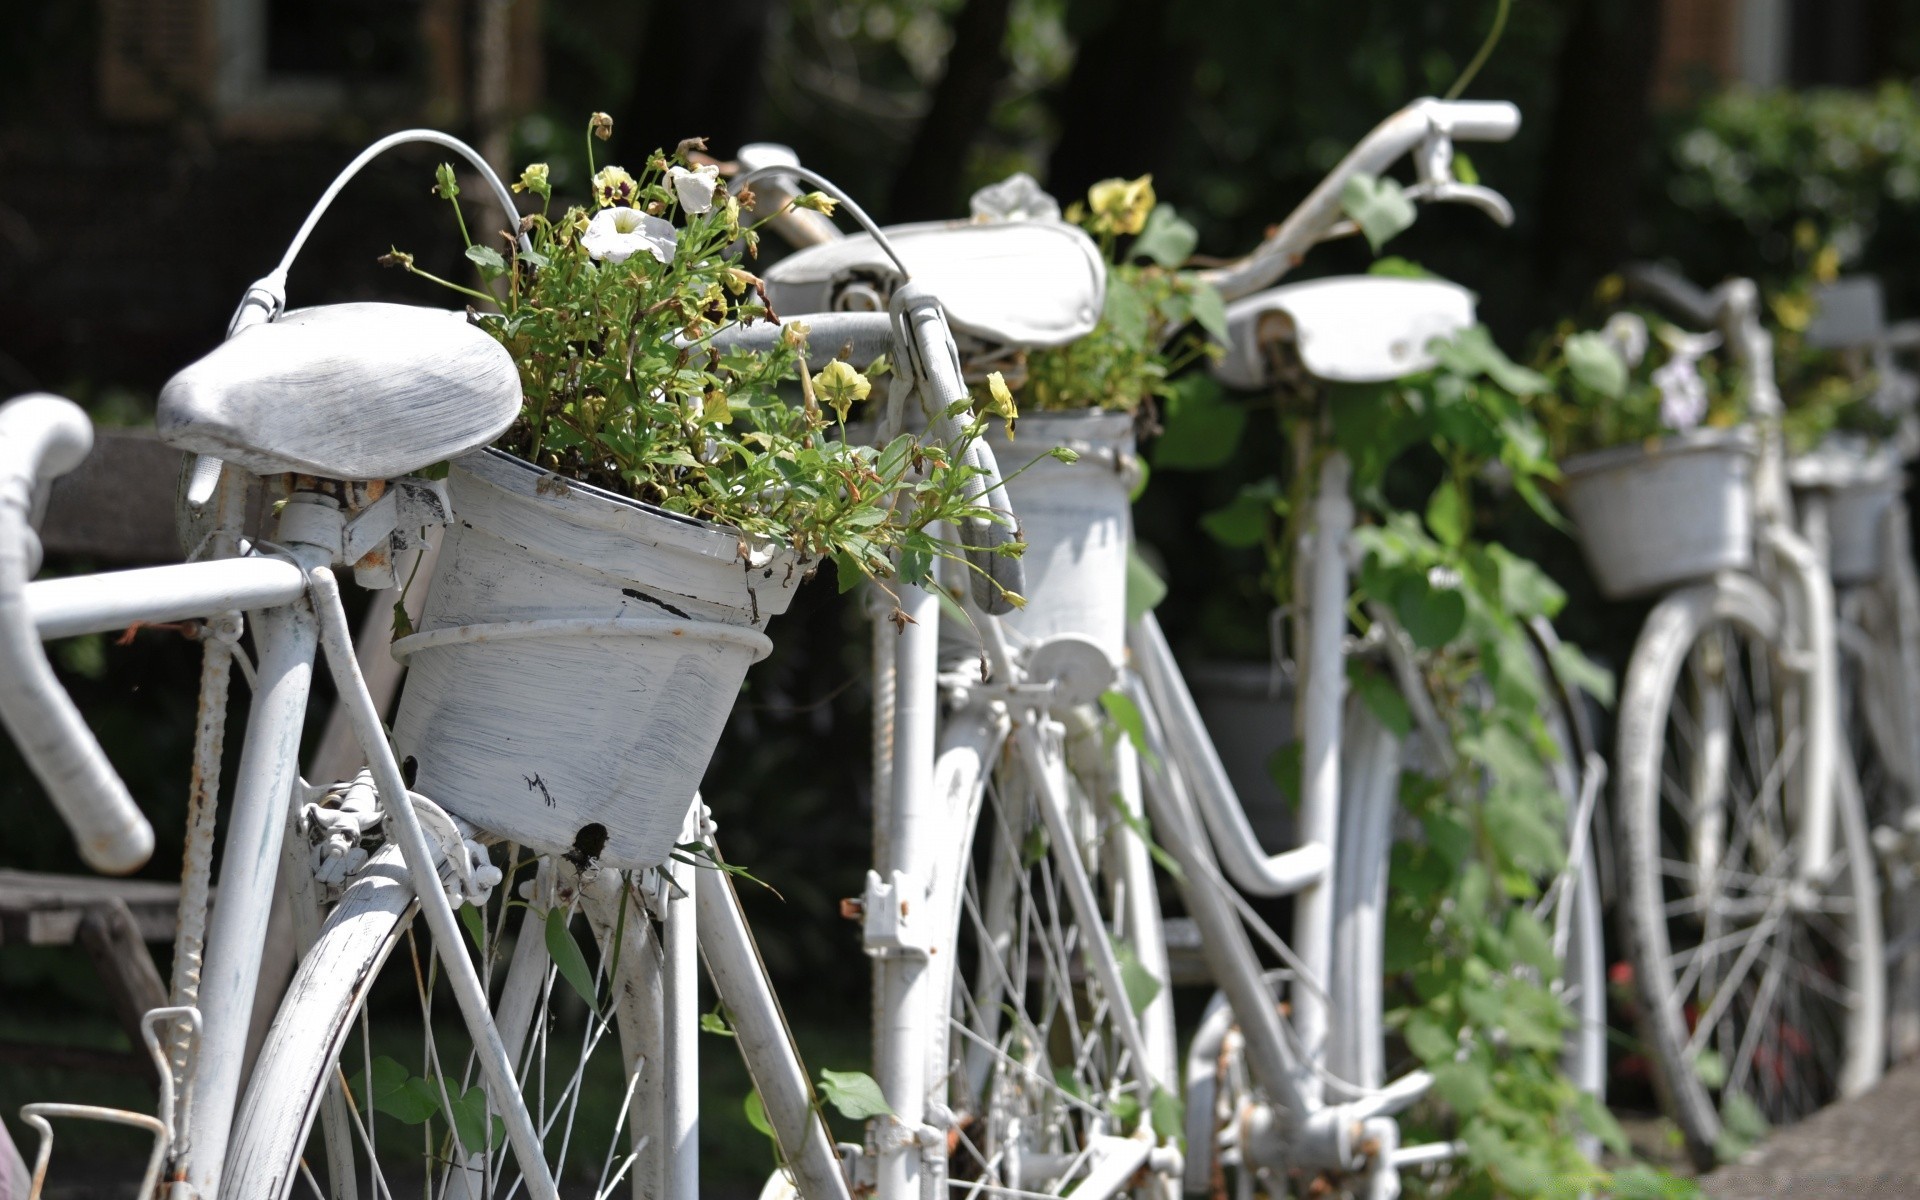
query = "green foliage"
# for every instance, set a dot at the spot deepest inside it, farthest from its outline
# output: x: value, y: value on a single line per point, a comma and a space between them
x: 1379, y: 206
x: 854, y: 1094
x: 1623, y: 384
x: 610, y: 312
x: 1138, y: 345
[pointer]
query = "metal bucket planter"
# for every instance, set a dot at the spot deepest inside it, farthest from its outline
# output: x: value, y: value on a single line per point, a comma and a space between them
x: 577, y: 657
x: 1654, y: 516
x: 1077, y: 519
x: 1860, y: 487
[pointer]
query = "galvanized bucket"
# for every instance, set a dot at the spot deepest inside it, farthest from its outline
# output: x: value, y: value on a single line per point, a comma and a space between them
x: 1859, y: 485
x: 577, y: 657
x: 1653, y: 516
x: 1077, y: 519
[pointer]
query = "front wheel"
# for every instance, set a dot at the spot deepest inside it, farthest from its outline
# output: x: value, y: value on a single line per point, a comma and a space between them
x: 1761, y: 994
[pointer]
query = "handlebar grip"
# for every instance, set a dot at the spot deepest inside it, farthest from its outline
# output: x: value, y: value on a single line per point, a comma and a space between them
x: 41, y: 437
x: 1477, y: 120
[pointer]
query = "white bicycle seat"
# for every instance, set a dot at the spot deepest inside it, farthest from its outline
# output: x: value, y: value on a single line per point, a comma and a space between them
x: 1014, y: 283
x: 344, y: 391
x: 1349, y: 329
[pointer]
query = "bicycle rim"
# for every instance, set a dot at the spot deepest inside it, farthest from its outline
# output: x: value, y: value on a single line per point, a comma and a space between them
x: 1760, y: 1001
x: 1034, y: 1070
x: 367, y: 1086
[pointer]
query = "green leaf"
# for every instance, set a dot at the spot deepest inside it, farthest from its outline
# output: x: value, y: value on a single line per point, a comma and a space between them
x: 757, y: 1113
x: 1464, y: 1086
x: 1472, y: 352
x: 1243, y: 521
x: 715, y: 1022
x: 1395, y: 267
x: 1448, y: 513
x: 1525, y: 590
x: 1210, y: 311
x: 1596, y: 365
x: 402, y: 623
x: 566, y: 956
x: 397, y: 1093
x: 1427, y: 1038
x: 1127, y: 310
x: 477, y: 1129
x: 854, y: 1094
x: 487, y: 259
x: 1600, y: 1123
x: 1125, y: 715
x: 1710, y: 1069
x: 476, y: 925
x: 1379, y: 206
x: 1431, y: 616
x: 1125, y: 1110
x: 1168, y: 1114
x: 1166, y: 239
x: 1140, y: 984
x: 1638, y: 1181
x: 1528, y: 939
x: 1742, y: 1117
x: 1582, y: 672
x: 1202, y: 429
x: 1463, y: 169
x: 1284, y: 768
x: 1382, y: 698
x: 1145, y: 589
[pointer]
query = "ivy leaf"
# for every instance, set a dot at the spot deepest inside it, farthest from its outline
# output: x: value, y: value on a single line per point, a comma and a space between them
x: 1472, y: 352
x: 1140, y: 984
x: 1168, y: 1114
x: 1145, y: 588
x: 1379, y: 206
x: 1242, y: 522
x: 1167, y: 238
x: 1427, y: 1038
x: 1582, y: 672
x: 471, y: 1122
x: 396, y: 1092
x: 1596, y: 365
x: 1525, y: 590
x: 1528, y: 939
x: 1448, y: 514
x: 1431, y: 616
x: 757, y: 1113
x: 1125, y: 715
x: 1202, y: 429
x: 854, y: 1094
x: 1381, y: 697
x: 1463, y: 1085
x: 566, y: 956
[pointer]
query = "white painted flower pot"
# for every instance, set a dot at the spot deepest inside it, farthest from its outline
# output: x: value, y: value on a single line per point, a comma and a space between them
x: 1653, y: 516
x: 577, y: 657
x: 1077, y: 519
x: 1860, y: 486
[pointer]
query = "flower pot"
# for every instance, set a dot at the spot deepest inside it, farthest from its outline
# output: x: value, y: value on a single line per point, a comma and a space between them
x: 1653, y: 516
x: 1077, y: 519
x: 577, y: 657
x: 1860, y: 485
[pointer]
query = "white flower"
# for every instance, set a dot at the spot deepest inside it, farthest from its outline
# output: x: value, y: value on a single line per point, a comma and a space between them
x: 616, y: 234
x: 695, y: 187
x: 1018, y: 197
x: 1683, y: 394
x: 1627, y: 334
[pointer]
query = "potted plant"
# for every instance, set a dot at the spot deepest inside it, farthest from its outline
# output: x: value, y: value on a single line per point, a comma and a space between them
x: 1089, y: 398
x: 617, y: 555
x: 1656, y: 457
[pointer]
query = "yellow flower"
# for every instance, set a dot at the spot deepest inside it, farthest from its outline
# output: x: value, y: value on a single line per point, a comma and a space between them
x: 1826, y: 264
x: 534, y: 179
x: 1794, y: 312
x: 819, y: 202
x: 794, y: 334
x: 1121, y: 205
x: 738, y: 281
x: 612, y: 185
x: 1000, y: 398
x: 842, y: 386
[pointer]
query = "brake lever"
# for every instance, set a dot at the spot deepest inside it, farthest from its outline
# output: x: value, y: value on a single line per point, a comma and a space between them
x: 1488, y: 201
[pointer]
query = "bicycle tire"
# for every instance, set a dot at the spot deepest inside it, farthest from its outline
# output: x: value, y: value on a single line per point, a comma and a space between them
x: 301, y: 1066
x: 1027, y: 1062
x: 1729, y: 728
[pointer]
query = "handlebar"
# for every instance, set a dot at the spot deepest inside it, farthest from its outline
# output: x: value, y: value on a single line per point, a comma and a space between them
x: 42, y: 437
x: 1433, y: 123
x: 1733, y: 308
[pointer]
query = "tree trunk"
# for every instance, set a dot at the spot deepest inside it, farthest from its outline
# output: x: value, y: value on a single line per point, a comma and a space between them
x: 1124, y: 105
x: 698, y: 73
x: 928, y: 185
x: 1602, y: 116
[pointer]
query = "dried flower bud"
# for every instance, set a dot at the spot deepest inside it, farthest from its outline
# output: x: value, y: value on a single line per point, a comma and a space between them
x: 396, y: 258
x: 738, y: 281
x: 794, y: 334
x: 819, y: 202
x: 601, y: 124
x: 688, y: 146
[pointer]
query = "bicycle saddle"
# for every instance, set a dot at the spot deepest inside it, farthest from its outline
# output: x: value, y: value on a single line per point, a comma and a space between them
x: 1847, y: 312
x: 1347, y: 329
x: 344, y: 391
x: 1016, y: 283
